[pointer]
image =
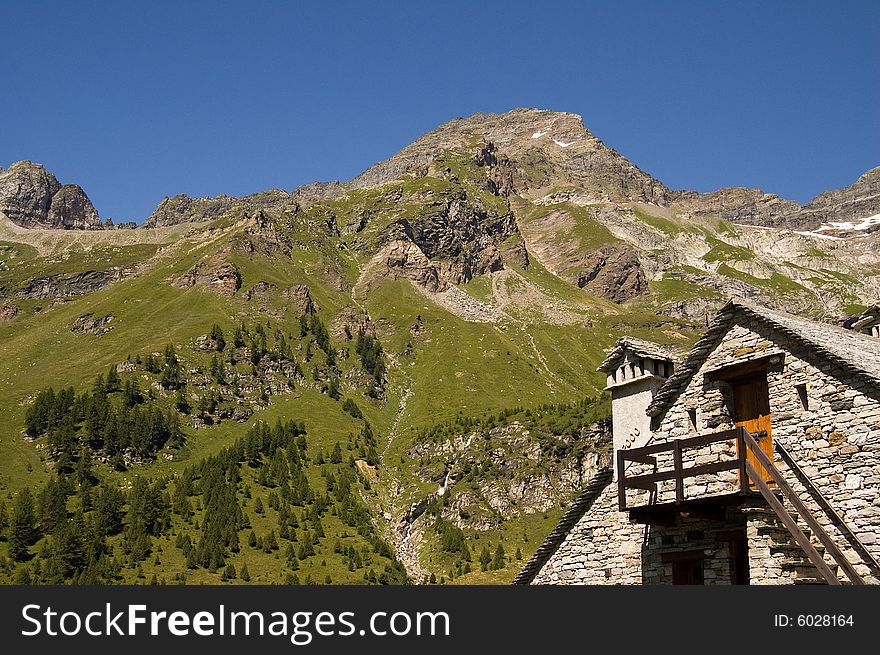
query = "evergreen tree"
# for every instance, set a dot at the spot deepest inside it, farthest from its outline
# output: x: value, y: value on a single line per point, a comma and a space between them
x: 245, y: 574
x: 109, y: 510
x: 151, y: 364
x: 485, y: 558
x: 53, y: 505
x: 498, y: 562
x: 217, y: 372
x: 217, y: 337
x: 181, y: 403
x: 24, y: 530
x: 4, y: 520
x: 171, y: 371
x: 112, y: 383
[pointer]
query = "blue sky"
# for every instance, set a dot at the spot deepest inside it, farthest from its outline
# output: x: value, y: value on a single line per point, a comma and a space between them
x: 136, y: 101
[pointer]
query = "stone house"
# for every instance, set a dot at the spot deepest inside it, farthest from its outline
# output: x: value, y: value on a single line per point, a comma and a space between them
x: 753, y: 460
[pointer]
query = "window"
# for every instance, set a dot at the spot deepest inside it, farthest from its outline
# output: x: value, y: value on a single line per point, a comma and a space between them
x: 687, y: 566
x: 803, y: 395
x: 688, y: 572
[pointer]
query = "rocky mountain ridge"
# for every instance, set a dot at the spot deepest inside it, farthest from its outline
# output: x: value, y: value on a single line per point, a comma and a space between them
x: 32, y: 197
x: 543, y: 148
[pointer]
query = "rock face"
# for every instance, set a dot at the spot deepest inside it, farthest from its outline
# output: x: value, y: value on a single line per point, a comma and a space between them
x: 749, y: 206
x: 754, y: 207
x: 216, y: 274
x: 72, y: 209
x: 855, y: 202
x: 72, y: 284
x: 262, y: 235
x: 616, y: 274
x: 32, y: 197
x: 88, y: 324
x: 300, y: 299
x: 185, y: 209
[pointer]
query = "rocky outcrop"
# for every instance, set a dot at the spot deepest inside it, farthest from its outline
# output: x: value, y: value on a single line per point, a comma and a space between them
x: 401, y: 258
x: 456, y: 240
x: 185, y: 209
x: 754, y: 207
x: 300, y: 300
x: 72, y: 284
x: 30, y: 196
x: 615, y: 274
x: 88, y: 324
x: 852, y: 204
x: 262, y: 235
x: 517, y: 486
x: 71, y: 209
x: 8, y: 311
x: 748, y: 206
x: 216, y: 274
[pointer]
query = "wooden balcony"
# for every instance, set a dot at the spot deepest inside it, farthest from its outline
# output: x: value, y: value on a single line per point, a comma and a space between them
x: 672, y: 461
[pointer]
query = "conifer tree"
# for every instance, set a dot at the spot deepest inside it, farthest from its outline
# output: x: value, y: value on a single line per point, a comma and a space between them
x: 498, y: 562
x: 24, y: 531
x: 217, y: 338
x: 245, y: 574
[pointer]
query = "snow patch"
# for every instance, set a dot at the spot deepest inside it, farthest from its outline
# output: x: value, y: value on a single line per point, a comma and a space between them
x: 538, y: 135
x: 864, y: 224
x: 562, y: 144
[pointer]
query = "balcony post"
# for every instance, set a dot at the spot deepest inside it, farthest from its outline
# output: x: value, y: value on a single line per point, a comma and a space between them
x: 742, y: 452
x: 679, y: 478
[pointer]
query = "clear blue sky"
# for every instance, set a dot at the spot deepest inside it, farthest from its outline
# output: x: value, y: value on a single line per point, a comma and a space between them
x: 136, y: 101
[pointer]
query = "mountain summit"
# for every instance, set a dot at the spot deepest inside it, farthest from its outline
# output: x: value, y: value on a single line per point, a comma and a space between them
x: 31, y: 197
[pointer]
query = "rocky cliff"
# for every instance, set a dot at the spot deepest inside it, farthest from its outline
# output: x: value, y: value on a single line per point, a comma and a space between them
x: 32, y: 197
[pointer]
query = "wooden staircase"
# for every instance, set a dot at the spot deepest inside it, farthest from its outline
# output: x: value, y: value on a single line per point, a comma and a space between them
x: 809, y: 565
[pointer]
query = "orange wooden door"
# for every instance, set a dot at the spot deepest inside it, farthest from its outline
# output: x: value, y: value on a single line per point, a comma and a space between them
x: 751, y: 409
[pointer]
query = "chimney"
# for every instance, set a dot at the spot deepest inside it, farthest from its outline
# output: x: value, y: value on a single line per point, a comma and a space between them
x: 636, y: 369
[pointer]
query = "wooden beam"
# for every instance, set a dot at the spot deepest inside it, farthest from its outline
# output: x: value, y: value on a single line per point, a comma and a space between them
x: 641, y: 459
x: 652, y: 517
x: 682, y: 556
x: 621, y: 489
x: 704, y: 512
x: 679, y: 479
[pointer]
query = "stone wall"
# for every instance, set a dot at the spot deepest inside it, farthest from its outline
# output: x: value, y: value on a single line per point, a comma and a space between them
x: 605, y: 548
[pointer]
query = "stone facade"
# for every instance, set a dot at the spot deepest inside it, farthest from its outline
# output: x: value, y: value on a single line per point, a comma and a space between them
x: 825, y: 412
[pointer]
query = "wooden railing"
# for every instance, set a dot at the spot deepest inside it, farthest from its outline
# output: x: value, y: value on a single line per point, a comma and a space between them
x: 678, y: 473
x: 789, y: 522
x: 830, y: 512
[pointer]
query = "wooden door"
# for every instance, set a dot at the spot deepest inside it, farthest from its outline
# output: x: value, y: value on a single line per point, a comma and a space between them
x: 751, y: 410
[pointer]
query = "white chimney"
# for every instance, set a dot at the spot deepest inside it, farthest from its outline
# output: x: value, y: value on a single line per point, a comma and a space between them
x: 636, y: 369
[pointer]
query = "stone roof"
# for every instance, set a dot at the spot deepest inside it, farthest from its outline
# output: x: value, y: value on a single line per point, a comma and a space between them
x: 579, y: 507
x: 855, y: 352
x: 639, y: 347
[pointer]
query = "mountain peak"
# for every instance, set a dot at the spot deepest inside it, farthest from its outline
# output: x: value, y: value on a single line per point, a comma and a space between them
x: 31, y: 196
x: 548, y: 149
